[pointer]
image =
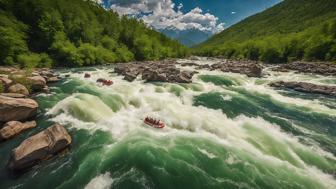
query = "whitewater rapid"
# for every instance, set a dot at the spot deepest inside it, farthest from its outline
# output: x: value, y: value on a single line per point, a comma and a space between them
x: 222, y: 130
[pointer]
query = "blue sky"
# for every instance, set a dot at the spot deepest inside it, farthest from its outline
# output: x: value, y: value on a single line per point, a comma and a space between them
x: 228, y: 11
x: 210, y: 16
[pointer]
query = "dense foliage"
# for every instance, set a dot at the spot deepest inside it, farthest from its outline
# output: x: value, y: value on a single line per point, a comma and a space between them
x: 44, y: 33
x: 292, y: 30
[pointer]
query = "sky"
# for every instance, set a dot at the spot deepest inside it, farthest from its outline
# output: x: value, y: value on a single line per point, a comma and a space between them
x: 210, y: 16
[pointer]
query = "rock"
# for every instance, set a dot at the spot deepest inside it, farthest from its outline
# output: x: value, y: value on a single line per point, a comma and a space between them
x: 130, y: 77
x: 251, y: 69
x: 18, y: 88
x: 161, y: 71
x: 53, y: 80
x: 5, y: 81
x: 254, y: 71
x: 7, y: 69
x: 45, y: 89
x: 86, y: 75
x: 39, y: 147
x: 189, y: 64
x: 13, y: 95
x: 17, y: 109
x: 38, y: 82
x: 12, y: 128
x: 306, y: 87
x: 327, y: 69
x: 4, y: 75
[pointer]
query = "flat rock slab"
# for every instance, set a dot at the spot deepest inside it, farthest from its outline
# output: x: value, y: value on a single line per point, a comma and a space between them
x: 17, y: 109
x: 13, y: 128
x: 306, y: 87
x: 39, y: 147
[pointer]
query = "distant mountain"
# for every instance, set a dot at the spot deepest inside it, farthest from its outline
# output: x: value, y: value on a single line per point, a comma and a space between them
x: 187, y: 37
x: 291, y: 30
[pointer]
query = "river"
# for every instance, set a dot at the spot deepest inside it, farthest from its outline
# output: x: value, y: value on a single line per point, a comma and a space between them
x: 224, y: 130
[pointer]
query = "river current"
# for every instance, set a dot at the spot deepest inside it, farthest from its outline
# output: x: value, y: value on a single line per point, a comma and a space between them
x: 224, y: 130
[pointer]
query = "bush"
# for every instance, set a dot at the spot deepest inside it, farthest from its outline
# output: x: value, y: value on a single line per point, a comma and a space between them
x: 29, y: 60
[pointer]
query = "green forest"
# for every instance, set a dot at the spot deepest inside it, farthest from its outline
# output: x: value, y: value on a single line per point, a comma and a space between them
x: 55, y: 33
x: 290, y: 31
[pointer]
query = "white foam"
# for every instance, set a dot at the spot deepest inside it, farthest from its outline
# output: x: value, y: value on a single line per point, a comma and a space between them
x: 184, y: 119
x: 103, y: 181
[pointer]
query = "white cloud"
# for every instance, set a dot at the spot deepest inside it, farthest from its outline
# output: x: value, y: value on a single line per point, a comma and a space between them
x: 162, y: 14
x: 233, y: 12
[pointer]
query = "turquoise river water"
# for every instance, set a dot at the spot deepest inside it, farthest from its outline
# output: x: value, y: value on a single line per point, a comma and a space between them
x: 224, y: 130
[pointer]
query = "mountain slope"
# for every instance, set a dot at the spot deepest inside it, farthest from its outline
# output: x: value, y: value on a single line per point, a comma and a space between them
x: 43, y: 33
x: 291, y: 30
x: 189, y: 37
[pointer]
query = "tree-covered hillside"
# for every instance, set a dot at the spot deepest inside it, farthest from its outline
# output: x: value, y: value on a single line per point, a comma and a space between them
x: 43, y: 33
x: 292, y: 30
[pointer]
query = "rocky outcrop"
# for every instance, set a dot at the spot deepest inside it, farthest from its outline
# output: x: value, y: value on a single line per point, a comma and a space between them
x: 19, y: 89
x: 17, y: 109
x: 163, y: 71
x: 251, y: 69
x: 306, y: 87
x: 39, y: 147
x: 12, y: 128
x: 304, y: 67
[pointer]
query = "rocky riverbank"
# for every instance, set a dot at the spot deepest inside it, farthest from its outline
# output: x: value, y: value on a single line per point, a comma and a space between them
x: 326, y: 69
x: 18, y: 111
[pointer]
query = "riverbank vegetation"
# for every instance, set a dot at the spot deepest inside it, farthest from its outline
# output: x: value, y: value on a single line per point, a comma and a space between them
x: 49, y: 33
x: 289, y: 31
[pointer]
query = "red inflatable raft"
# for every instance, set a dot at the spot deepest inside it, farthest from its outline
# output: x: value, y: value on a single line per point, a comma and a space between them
x: 105, y: 82
x: 154, y: 123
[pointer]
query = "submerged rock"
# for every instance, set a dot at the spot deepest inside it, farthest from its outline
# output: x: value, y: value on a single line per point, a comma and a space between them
x: 17, y: 109
x: 40, y: 146
x: 306, y: 87
x: 12, y: 128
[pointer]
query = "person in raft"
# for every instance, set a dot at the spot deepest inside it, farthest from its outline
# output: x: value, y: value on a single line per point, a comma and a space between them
x: 151, y: 120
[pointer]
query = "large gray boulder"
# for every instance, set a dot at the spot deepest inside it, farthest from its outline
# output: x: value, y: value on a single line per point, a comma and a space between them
x: 18, y: 88
x: 12, y: 128
x: 39, y: 147
x: 17, y: 109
